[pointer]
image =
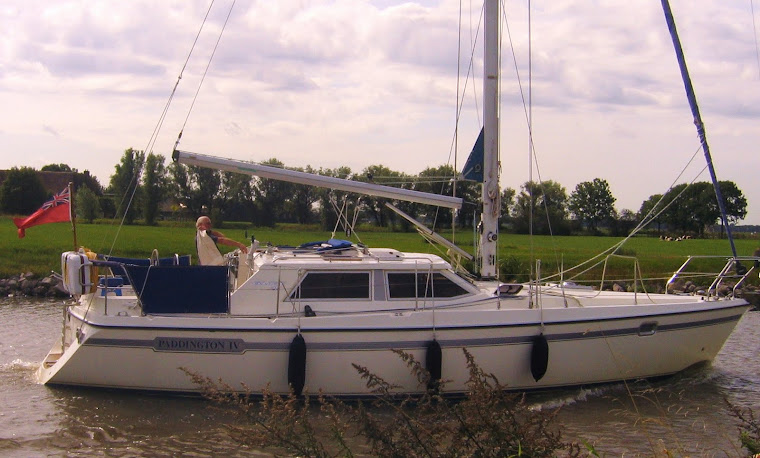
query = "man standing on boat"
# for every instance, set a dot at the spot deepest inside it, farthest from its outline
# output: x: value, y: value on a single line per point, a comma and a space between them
x: 206, y: 242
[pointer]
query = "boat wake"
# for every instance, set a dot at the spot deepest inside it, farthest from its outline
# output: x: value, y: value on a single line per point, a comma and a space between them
x: 695, y: 377
x: 557, y: 399
x: 19, y: 368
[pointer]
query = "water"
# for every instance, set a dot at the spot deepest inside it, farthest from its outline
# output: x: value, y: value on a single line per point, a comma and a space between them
x: 685, y: 415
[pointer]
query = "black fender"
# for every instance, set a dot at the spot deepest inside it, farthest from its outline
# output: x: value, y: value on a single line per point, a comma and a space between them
x: 433, y: 363
x: 297, y: 364
x: 539, y: 357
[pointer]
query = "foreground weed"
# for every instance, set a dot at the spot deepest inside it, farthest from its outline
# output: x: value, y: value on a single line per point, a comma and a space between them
x: 749, y: 428
x: 487, y: 421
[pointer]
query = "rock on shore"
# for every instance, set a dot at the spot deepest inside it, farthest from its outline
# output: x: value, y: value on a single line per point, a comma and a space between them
x: 27, y: 284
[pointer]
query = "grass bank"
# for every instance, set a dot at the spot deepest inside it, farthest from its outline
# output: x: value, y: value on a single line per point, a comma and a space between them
x: 39, y: 252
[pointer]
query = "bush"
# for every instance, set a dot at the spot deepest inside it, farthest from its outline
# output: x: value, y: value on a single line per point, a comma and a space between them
x: 512, y: 269
x: 87, y: 204
x: 488, y: 421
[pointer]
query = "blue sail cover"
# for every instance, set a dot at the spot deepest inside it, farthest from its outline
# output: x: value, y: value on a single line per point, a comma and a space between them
x: 118, y: 269
x: 473, y: 168
x: 327, y: 245
x: 180, y: 289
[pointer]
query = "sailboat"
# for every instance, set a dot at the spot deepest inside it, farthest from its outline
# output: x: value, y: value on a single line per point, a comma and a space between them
x: 299, y: 319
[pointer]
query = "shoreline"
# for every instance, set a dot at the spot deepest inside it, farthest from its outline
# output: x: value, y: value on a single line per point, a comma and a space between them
x: 30, y: 285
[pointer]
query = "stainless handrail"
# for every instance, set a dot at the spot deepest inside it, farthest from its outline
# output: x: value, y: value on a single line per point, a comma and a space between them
x: 732, y: 269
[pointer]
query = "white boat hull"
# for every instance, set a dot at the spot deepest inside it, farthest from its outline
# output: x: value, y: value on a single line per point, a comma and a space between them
x: 622, y: 342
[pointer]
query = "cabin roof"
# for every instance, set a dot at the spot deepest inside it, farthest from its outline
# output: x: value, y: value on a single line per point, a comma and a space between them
x: 372, y: 258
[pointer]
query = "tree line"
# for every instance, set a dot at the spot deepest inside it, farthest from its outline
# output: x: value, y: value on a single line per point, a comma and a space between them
x: 144, y: 187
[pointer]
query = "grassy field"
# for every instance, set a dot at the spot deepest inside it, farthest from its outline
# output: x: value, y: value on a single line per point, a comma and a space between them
x: 39, y: 252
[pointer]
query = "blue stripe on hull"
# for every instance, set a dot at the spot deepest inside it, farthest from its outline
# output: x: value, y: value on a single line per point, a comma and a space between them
x: 237, y: 345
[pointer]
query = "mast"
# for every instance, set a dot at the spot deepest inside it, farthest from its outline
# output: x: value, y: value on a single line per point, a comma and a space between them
x: 697, y: 117
x: 490, y: 191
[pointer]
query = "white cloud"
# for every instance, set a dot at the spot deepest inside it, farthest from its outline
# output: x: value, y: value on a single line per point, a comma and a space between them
x: 330, y: 83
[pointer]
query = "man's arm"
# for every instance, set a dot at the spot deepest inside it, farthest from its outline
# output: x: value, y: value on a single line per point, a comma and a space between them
x: 229, y: 242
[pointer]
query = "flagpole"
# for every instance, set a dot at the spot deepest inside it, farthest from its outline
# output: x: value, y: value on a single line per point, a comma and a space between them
x: 72, y: 215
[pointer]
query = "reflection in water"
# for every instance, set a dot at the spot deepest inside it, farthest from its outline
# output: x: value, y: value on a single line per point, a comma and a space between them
x: 685, y: 415
x: 94, y: 421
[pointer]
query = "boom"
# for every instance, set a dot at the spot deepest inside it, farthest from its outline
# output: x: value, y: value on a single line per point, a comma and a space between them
x: 311, y: 179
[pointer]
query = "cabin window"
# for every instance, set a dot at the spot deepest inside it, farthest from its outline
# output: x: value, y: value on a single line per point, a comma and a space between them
x: 402, y: 286
x: 333, y: 285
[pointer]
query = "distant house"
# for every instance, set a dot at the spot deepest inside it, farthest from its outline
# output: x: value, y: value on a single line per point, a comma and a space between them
x: 54, y: 182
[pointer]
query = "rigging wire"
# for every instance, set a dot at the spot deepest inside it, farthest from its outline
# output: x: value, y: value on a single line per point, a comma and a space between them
x: 453, y: 148
x: 456, y: 127
x: 470, y: 71
x: 205, y: 72
x: 533, y: 157
x: 597, y: 260
x: 157, y: 128
x: 530, y: 140
x: 149, y: 147
x: 460, y: 106
x: 754, y: 31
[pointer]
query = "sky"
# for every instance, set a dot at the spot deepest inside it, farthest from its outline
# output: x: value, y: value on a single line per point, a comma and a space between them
x: 358, y: 83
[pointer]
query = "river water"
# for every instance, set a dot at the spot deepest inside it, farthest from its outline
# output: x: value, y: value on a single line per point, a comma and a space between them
x: 685, y: 414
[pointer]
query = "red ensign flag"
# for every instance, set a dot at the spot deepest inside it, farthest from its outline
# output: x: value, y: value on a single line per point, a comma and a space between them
x: 55, y: 210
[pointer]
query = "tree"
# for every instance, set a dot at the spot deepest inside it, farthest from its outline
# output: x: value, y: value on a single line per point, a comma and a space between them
x: 328, y: 216
x: 84, y: 179
x: 624, y: 223
x: 440, y: 180
x: 57, y: 168
x: 180, y: 187
x: 649, y: 209
x: 686, y: 210
x: 375, y: 206
x: 197, y: 188
x: 87, y: 204
x: 300, y: 205
x: 107, y: 206
x: 592, y: 203
x: 125, y: 181
x: 236, y: 197
x: 469, y: 191
x: 154, y: 187
x: 547, y: 202
x: 22, y: 192
x: 692, y: 208
x: 208, y: 182
x: 736, y: 203
x: 507, y: 202
x: 701, y: 200
x: 271, y: 196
